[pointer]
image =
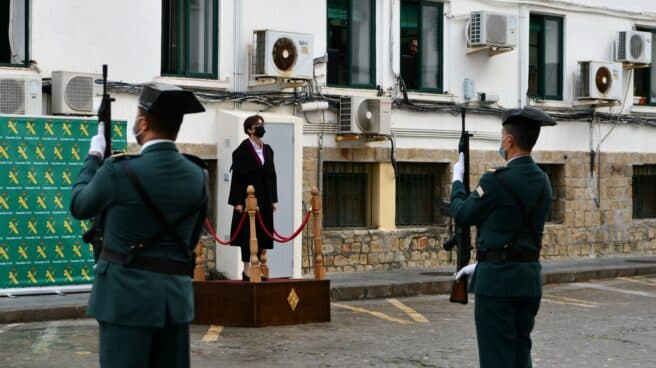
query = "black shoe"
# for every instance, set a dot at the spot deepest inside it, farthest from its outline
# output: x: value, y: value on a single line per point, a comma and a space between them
x: 264, y: 278
x: 245, y: 277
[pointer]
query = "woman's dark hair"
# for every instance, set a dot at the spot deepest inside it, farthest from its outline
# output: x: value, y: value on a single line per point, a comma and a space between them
x: 252, y: 120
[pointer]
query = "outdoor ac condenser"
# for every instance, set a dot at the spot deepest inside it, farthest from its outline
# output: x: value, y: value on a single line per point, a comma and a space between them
x: 633, y: 47
x: 20, y: 95
x: 365, y: 115
x: 73, y: 93
x: 492, y: 29
x: 279, y: 54
x: 600, y: 80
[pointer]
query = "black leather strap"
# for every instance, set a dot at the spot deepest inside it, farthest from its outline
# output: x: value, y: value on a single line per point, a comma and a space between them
x: 166, y: 226
x: 152, y: 264
x: 506, y: 255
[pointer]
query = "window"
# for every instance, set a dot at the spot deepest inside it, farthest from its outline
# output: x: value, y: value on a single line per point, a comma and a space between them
x: 14, y: 33
x: 189, y: 38
x: 644, y: 191
x: 421, y: 45
x: 418, y: 193
x: 555, y: 172
x: 545, y: 57
x: 351, y: 43
x: 644, y: 82
x: 346, y: 194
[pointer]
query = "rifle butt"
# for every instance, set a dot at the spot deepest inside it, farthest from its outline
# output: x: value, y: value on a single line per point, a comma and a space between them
x: 459, y: 291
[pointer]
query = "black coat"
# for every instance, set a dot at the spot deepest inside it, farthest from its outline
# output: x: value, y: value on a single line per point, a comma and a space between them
x: 248, y: 170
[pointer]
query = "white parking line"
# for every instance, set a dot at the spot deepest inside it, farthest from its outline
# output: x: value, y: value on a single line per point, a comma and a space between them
x: 9, y: 327
x: 639, y: 281
x: 614, y: 289
x: 47, y: 337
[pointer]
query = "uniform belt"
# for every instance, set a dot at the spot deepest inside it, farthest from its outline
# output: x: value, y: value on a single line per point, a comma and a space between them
x: 148, y: 263
x: 506, y: 255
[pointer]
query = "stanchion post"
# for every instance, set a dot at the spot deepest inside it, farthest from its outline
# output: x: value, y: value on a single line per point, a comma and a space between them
x: 319, y: 269
x: 199, y: 271
x: 251, y: 208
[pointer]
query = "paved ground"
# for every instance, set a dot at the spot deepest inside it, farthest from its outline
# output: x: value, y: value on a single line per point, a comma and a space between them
x: 608, y: 323
x: 354, y: 286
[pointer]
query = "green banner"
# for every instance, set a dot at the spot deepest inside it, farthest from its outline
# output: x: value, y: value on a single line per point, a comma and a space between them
x: 40, y: 157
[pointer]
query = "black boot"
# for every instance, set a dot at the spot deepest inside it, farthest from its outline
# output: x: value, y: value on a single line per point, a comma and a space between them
x: 245, y: 277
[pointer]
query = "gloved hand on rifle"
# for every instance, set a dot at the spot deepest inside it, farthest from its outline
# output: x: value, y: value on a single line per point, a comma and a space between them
x: 97, y: 146
x: 459, y: 168
x: 467, y: 270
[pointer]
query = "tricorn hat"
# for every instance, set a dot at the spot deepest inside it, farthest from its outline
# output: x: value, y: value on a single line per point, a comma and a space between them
x: 528, y: 114
x: 166, y: 100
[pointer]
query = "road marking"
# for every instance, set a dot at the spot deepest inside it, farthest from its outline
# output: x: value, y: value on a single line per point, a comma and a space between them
x: 47, y: 337
x: 639, y: 281
x: 566, y: 298
x: 416, y: 316
x: 617, y: 290
x: 212, y: 333
x: 373, y: 313
x: 9, y: 326
x: 83, y: 352
x: 569, y: 303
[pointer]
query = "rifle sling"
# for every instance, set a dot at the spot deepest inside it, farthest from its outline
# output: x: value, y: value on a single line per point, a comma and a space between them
x: 166, y: 226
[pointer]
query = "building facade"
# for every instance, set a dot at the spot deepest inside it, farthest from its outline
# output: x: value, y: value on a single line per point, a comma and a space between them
x: 409, y: 63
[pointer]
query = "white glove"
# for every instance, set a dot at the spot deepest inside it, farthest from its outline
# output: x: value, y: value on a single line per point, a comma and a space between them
x: 98, y: 145
x: 467, y: 270
x: 459, y: 168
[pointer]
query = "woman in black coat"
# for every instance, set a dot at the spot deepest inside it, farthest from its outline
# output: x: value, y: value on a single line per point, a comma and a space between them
x: 252, y: 164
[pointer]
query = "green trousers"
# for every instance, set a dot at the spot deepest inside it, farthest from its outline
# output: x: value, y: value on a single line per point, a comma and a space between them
x: 143, y: 347
x: 503, y: 329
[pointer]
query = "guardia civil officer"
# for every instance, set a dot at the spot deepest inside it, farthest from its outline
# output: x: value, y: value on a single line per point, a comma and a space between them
x: 509, y: 207
x: 155, y: 205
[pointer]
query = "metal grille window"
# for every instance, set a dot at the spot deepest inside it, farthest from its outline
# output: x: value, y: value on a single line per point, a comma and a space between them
x: 644, y: 191
x: 417, y: 194
x: 556, y: 178
x: 545, y: 57
x: 346, y: 194
x: 644, y: 81
x: 351, y: 43
x: 190, y: 38
x: 421, y: 45
x: 14, y: 33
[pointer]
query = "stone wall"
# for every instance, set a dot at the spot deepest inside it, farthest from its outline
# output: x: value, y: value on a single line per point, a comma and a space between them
x: 580, y: 227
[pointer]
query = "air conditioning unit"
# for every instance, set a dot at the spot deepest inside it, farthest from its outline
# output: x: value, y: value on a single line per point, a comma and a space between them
x: 20, y: 95
x: 600, y: 80
x: 633, y: 47
x: 492, y: 29
x: 365, y: 115
x: 73, y: 93
x: 282, y: 55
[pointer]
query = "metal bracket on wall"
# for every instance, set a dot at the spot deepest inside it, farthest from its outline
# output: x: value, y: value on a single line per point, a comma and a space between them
x: 492, y: 50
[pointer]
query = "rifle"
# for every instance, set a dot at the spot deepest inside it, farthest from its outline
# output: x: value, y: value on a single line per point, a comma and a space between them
x: 462, y: 237
x: 95, y: 234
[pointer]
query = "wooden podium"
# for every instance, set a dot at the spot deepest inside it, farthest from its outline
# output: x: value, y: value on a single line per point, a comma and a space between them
x: 275, y: 302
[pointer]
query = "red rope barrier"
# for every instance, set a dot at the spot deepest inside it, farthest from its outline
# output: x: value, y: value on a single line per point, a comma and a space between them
x: 281, y: 238
x: 210, y: 230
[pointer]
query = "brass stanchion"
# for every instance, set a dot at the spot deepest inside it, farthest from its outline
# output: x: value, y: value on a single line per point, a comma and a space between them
x: 251, y: 208
x: 319, y: 269
x: 199, y: 271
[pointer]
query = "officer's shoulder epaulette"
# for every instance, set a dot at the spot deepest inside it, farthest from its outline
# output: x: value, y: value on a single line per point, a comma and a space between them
x: 122, y: 156
x: 497, y: 169
x: 197, y: 160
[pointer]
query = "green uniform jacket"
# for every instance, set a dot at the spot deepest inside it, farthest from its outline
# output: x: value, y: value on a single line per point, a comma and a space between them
x: 130, y: 296
x: 492, y: 209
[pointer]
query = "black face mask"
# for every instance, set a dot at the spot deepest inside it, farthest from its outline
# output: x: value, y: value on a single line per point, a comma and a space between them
x: 259, y: 131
